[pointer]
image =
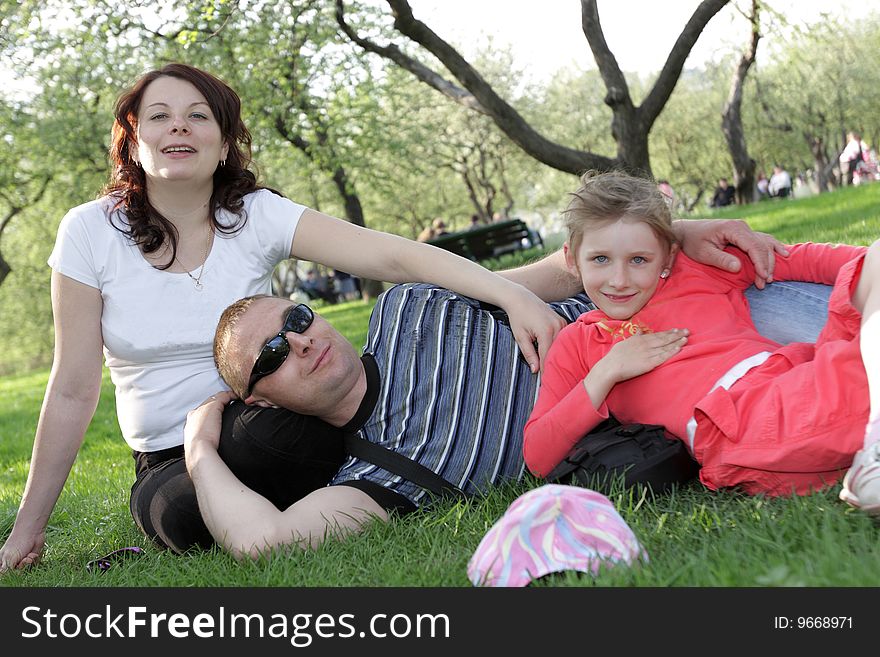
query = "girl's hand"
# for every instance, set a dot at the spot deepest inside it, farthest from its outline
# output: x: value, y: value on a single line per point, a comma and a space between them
x: 641, y: 353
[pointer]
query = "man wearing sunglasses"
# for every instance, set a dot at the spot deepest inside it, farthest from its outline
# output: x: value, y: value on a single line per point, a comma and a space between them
x: 441, y: 382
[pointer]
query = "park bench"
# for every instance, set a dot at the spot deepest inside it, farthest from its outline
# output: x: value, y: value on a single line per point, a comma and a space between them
x: 490, y: 241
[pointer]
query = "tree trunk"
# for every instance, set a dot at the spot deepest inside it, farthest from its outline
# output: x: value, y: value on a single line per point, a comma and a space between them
x: 820, y: 160
x: 5, y: 269
x: 631, y: 137
x: 731, y: 119
x: 354, y: 211
x: 15, y: 209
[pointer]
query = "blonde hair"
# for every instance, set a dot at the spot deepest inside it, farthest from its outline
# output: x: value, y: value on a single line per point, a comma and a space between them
x: 603, y: 198
x: 224, y: 358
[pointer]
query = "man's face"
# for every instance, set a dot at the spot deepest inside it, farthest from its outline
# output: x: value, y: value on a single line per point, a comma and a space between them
x: 320, y: 370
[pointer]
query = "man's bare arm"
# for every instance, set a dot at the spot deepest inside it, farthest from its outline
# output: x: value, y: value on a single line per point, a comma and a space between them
x: 244, y: 522
x: 548, y: 278
x: 703, y: 240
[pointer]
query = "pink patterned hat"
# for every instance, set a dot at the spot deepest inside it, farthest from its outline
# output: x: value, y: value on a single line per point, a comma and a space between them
x: 552, y: 529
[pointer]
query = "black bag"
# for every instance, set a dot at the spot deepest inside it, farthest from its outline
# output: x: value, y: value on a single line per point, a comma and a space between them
x: 641, y: 453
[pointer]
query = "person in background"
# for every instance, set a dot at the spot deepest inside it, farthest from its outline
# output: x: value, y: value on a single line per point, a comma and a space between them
x: 780, y: 183
x: 667, y: 191
x: 317, y: 286
x: 346, y: 286
x: 853, y: 155
x: 724, y: 194
x: 761, y: 185
x: 439, y: 227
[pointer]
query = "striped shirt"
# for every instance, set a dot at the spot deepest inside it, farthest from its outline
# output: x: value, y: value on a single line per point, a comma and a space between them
x: 454, y: 392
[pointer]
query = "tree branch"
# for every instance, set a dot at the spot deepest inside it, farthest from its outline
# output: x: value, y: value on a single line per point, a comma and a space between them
x: 422, y: 72
x: 615, y: 82
x: 650, y: 109
x: 504, y: 116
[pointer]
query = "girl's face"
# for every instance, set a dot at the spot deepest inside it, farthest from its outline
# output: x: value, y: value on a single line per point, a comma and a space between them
x: 620, y: 264
x: 178, y: 136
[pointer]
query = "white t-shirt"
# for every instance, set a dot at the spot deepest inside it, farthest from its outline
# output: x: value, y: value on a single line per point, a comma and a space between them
x: 779, y: 181
x: 158, y: 329
x: 851, y: 150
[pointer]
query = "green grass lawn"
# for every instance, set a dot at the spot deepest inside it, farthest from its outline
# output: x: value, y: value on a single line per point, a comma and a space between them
x: 693, y: 537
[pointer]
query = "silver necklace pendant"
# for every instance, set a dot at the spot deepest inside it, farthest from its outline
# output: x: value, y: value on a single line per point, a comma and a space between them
x: 197, y: 281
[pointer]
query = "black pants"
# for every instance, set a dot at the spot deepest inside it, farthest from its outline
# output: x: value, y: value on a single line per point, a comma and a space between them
x: 280, y: 455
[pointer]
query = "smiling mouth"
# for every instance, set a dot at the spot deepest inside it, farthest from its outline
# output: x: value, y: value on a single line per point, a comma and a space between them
x: 619, y: 298
x: 179, y: 149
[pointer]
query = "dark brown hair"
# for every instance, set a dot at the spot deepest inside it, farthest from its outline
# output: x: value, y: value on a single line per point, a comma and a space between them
x: 146, y: 225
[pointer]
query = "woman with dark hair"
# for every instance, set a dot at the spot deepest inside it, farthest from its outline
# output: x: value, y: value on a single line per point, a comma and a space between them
x: 142, y: 274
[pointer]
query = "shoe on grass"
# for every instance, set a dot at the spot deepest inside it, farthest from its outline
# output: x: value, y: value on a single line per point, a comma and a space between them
x: 861, y: 485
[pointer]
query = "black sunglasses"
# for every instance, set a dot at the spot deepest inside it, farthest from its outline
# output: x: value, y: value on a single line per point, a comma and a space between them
x: 275, y: 351
x: 103, y: 564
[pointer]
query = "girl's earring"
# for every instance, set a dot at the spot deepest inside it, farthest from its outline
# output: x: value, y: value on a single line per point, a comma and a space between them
x: 664, y: 273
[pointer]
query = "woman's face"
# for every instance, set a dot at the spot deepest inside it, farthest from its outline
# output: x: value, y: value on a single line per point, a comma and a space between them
x: 178, y: 137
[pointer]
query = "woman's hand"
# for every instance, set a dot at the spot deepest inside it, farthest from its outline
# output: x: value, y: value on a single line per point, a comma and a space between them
x: 532, y: 321
x: 21, y: 551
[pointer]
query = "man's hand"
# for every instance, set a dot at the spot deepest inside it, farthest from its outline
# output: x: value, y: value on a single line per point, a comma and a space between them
x: 704, y: 241
x: 21, y: 551
x: 203, y: 424
x: 531, y: 321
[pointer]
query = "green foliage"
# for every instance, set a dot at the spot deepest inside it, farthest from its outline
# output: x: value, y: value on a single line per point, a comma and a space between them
x: 408, y: 154
x: 687, y: 146
x: 818, y: 86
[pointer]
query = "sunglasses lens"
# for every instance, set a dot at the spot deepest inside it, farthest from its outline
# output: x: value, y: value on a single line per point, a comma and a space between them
x: 272, y: 356
x: 299, y: 319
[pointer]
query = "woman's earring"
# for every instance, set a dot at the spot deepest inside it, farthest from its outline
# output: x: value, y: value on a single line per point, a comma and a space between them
x: 223, y: 162
x: 664, y: 273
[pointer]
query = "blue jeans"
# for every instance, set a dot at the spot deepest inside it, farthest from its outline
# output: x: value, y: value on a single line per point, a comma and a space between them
x: 789, y: 311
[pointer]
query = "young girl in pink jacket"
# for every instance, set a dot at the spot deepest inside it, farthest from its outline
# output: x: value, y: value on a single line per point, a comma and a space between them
x: 672, y: 343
